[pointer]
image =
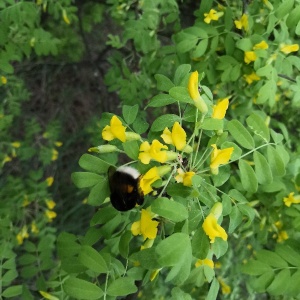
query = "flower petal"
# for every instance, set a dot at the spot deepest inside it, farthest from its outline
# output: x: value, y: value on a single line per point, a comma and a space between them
x: 107, y: 133
x: 148, y: 227
x: 117, y: 129
x: 219, y: 110
x: 148, y: 179
x: 136, y: 228
x: 193, y: 85
x: 178, y: 136
x: 167, y: 136
x: 213, y: 229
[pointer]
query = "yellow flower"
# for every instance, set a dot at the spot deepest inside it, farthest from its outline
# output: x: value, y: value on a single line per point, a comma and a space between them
x: 148, y: 179
x: 154, y: 274
x: 251, y: 77
x: 286, y: 49
x: 54, y: 155
x: 6, y: 159
x: 242, y: 23
x: 249, y: 56
x: 226, y: 289
x: 288, y: 201
x: 282, y: 236
x: 65, y: 17
x: 154, y: 151
x: 176, y: 138
x: 219, y: 157
x: 34, y: 228
x: 114, y: 131
x: 50, y: 180
x: 26, y: 201
x: 48, y: 296
x: 58, y: 144
x: 194, y: 92
x: 23, y: 234
x: 219, y: 110
x: 212, y: 15
x: 146, y: 226
x: 202, y: 262
x: 50, y: 204
x: 50, y: 214
x: 212, y: 229
x: 262, y: 45
x: 16, y: 144
x: 185, y: 177
x: 3, y: 80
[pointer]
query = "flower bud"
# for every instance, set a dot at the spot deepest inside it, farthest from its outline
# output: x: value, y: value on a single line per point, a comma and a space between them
x: 163, y: 170
x: 217, y: 210
x: 171, y: 155
x: 104, y: 149
x: 132, y: 136
x: 187, y: 149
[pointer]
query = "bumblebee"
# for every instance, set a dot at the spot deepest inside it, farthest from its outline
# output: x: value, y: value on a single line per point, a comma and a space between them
x: 125, y: 191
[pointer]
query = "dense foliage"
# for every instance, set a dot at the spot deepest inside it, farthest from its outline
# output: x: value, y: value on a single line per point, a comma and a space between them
x: 202, y: 98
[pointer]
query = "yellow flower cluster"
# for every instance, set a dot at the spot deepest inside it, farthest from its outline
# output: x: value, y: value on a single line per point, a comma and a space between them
x: 250, y: 56
x: 212, y: 15
x: 167, y: 157
x: 49, y: 213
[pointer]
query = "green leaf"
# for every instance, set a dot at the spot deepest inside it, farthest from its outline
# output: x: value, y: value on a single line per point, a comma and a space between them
x: 284, y: 8
x: 262, y: 169
x: 276, y: 163
x: 213, y: 290
x: 93, y: 164
x: 163, y: 82
x: 140, y: 125
x: 235, y: 218
x: 186, y: 45
x: 182, y: 74
x: 168, y: 209
x: 292, y: 288
x: 121, y: 287
x: 81, y: 289
x: 248, y: 177
x: 178, y: 294
x: 147, y: 258
x: 92, y: 259
x: 293, y: 17
x: 240, y: 134
x: 124, y: 243
x: 164, y: 121
x: 200, y: 244
x: 267, y: 92
x: 200, y: 49
x: 86, y: 179
x: 261, y: 283
x: 258, y: 126
x: 67, y: 245
x: 132, y: 149
x: 170, y: 250
x: 12, y: 291
x: 99, y: 193
x: 219, y: 247
x: 212, y: 124
x: 161, y: 100
x: 288, y: 254
x: 130, y: 113
x: 180, y: 272
x: 237, y: 151
x: 271, y: 258
x: 255, y: 267
x: 181, y: 94
x: 280, y: 282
